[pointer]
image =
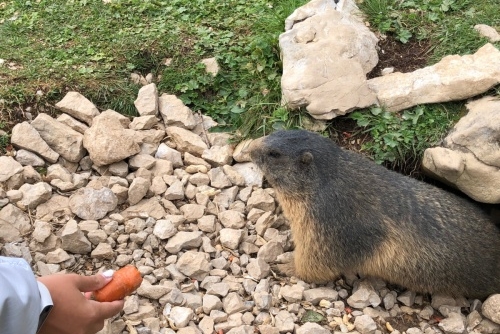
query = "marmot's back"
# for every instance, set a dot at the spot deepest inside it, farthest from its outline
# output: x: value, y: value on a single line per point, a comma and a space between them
x: 349, y: 214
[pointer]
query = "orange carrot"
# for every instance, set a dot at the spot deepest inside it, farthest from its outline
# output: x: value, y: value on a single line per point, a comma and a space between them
x: 125, y: 281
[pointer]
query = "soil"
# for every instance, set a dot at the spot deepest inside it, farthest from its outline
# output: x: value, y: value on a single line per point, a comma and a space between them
x: 403, y: 58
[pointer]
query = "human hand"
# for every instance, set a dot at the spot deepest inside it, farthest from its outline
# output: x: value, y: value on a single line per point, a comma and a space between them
x: 73, y: 312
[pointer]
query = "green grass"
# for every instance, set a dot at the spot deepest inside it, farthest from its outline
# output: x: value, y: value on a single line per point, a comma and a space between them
x: 54, y: 46
x: 400, y: 139
x: 92, y: 47
x: 446, y: 24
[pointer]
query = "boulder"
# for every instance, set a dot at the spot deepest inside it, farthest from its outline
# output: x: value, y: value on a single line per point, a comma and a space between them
x: 109, y: 140
x: 470, y: 156
x: 326, y: 55
x: 60, y: 137
x: 78, y: 106
x: 24, y: 135
x: 453, y: 78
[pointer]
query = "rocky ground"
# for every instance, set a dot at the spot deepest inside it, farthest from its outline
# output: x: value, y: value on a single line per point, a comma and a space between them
x: 94, y: 190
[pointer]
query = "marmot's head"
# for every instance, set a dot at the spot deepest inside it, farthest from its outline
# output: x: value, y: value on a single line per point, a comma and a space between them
x: 292, y: 161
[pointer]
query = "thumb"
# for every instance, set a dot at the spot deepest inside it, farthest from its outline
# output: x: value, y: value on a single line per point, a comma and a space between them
x: 94, y: 282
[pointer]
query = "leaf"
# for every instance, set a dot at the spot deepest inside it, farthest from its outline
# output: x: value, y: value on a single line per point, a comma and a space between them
x: 376, y: 111
x: 312, y: 316
x: 404, y: 35
x: 237, y: 110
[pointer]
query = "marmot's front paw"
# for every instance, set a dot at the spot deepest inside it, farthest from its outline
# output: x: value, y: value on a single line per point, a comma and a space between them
x: 284, y: 269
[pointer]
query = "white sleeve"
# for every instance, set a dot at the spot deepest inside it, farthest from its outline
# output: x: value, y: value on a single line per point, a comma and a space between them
x: 22, y: 297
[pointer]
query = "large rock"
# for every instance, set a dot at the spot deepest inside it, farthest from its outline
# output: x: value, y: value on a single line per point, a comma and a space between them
x: 147, y: 100
x: 109, y: 140
x: 91, y: 204
x: 187, y: 141
x: 34, y: 195
x: 73, y: 240
x: 8, y: 168
x: 14, y: 223
x: 25, y: 136
x: 489, y: 32
x: 326, y: 54
x: 78, y: 106
x: 470, y: 156
x: 453, y: 78
x: 491, y: 308
x: 175, y: 113
x: 150, y: 207
x: 61, y: 138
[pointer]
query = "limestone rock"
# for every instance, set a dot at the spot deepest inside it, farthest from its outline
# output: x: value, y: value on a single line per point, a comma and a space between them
x: 61, y: 138
x: 27, y: 158
x: 137, y: 190
x: 42, y: 231
x: 219, y: 155
x: 453, y: 78
x: 146, y: 208
x: 78, y: 106
x: 103, y: 251
x: 147, y: 100
x: 453, y: 324
x: 54, y: 208
x: 231, y: 238
x: 143, y: 122
x: 14, y: 223
x: 180, y: 316
x: 251, y: 174
x: 175, y: 113
x: 8, y: 168
x: 72, y: 123
x: 164, y: 229
x: 194, y: 265
x: 364, y: 296
x: 491, y: 308
x: 292, y: 294
x: 152, y: 291
x: 365, y: 324
x: 187, y: 141
x: 312, y: 328
x: 109, y: 140
x: 24, y: 135
x: 73, y: 239
x: 469, y: 158
x: 168, y: 153
x: 489, y: 32
x: 211, y: 65
x: 34, y: 195
x: 91, y: 204
x: 314, y: 296
x: 326, y: 55
x: 183, y: 240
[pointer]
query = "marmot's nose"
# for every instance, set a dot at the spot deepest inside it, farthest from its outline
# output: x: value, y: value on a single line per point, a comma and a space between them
x: 254, y: 145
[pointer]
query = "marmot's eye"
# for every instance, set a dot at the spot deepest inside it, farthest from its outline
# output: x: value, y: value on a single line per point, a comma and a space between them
x: 274, y: 154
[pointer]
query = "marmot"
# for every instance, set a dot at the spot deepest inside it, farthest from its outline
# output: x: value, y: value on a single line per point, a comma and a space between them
x: 349, y: 215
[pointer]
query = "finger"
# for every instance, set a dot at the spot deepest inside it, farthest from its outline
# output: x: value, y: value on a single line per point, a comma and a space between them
x: 108, y: 309
x: 94, y: 282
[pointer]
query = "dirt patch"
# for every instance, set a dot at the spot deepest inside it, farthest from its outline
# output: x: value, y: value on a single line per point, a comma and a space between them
x: 404, y: 58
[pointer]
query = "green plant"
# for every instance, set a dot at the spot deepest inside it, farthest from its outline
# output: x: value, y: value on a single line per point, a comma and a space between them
x: 441, y: 21
x: 396, y: 138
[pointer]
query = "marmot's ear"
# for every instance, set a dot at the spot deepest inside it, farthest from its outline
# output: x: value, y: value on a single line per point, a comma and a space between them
x: 306, y: 158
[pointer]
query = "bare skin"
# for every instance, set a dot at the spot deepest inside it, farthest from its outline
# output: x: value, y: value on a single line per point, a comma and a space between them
x: 73, y: 311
